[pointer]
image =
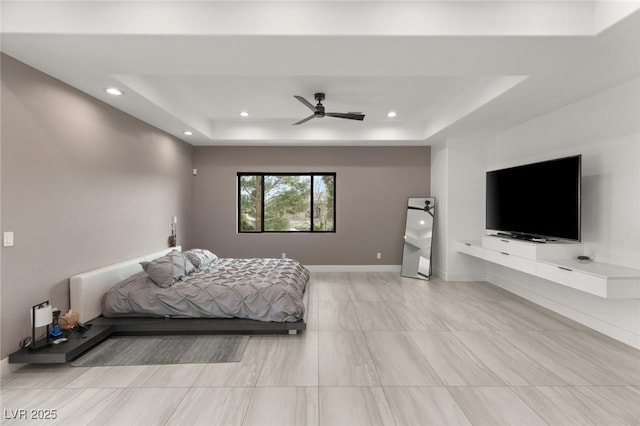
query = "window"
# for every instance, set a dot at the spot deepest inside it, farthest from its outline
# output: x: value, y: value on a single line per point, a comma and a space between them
x: 292, y: 202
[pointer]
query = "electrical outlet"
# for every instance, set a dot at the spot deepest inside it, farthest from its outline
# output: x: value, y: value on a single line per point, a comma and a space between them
x: 8, y: 239
x: 379, y: 255
x: 284, y: 255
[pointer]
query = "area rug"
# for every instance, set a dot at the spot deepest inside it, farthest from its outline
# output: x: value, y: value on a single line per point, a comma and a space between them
x: 150, y: 350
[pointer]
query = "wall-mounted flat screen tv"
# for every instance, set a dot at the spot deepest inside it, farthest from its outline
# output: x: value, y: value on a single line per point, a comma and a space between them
x: 537, y: 200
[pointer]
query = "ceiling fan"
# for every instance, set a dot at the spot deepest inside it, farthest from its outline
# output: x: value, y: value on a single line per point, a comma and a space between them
x: 318, y: 110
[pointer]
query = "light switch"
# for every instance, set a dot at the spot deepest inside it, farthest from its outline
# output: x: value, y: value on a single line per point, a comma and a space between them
x: 8, y: 239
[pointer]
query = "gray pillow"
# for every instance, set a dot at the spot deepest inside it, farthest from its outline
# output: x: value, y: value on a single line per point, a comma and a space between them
x: 190, y: 268
x: 201, y: 258
x: 166, y: 270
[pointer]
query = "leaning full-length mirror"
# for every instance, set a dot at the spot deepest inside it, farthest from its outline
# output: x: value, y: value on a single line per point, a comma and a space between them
x: 416, y: 256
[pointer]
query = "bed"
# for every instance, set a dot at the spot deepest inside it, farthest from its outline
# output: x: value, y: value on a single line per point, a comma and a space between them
x: 226, y: 295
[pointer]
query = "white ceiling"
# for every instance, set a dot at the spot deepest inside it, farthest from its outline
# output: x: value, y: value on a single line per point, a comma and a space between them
x: 448, y: 68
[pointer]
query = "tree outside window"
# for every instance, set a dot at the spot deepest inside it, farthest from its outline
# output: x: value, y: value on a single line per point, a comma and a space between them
x: 300, y: 202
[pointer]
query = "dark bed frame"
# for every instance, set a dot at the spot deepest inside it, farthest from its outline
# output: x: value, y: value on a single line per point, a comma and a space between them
x: 102, y: 328
x: 128, y: 326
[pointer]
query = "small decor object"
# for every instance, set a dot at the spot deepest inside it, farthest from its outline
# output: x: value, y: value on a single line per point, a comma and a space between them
x: 68, y: 321
x: 584, y: 259
x: 41, y: 315
x: 173, y: 240
x: 55, y: 331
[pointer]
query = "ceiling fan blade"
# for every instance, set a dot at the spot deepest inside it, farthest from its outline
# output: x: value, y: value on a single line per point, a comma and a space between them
x: 304, y: 120
x: 306, y: 102
x: 348, y: 115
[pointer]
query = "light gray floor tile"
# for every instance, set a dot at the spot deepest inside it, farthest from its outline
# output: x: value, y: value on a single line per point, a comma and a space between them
x: 419, y: 406
x: 350, y: 406
x: 290, y: 360
x: 439, y: 290
x: 621, y: 362
x: 242, y: 373
x: 490, y: 291
x: 171, y: 375
x: 463, y: 315
x: 398, y: 361
x: 108, y: 377
x: 80, y: 406
x: 515, y: 315
x: 573, y: 368
x: 16, y: 404
x: 360, y: 287
x: 494, y: 406
x: 599, y: 338
x: 313, y: 321
x: 568, y: 405
x: 314, y: 284
x: 566, y: 373
x: 345, y: 360
x: 334, y: 290
x: 40, y: 376
x: 385, y: 284
x: 337, y: 316
x: 622, y: 402
x: 406, y: 289
x: 491, y: 317
x: 276, y: 406
x: 513, y: 366
x: 141, y: 406
x: 416, y: 316
x: 454, y: 363
x: 376, y: 316
x: 538, y: 318
x: 468, y: 291
x: 212, y: 406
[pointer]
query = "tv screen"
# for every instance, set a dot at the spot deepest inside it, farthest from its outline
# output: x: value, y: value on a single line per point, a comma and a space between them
x: 538, y: 200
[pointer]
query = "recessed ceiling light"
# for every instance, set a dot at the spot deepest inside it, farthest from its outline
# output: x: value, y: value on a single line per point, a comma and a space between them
x: 188, y: 133
x: 114, y: 91
x: 244, y: 114
x: 391, y: 114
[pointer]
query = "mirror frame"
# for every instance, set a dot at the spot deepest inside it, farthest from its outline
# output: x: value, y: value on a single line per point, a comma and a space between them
x: 416, y: 251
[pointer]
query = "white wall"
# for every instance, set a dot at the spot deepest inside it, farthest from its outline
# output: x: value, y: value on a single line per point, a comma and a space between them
x: 466, y: 180
x: 457, y: 181
x: 605, y: 129
x: 439, y: 162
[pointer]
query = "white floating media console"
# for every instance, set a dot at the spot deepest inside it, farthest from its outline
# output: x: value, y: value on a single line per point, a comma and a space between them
x: 557, y: 262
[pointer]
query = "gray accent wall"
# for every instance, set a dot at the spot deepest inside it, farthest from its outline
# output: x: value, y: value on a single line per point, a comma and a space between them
x: 83, y: 185
x: 372, y: 188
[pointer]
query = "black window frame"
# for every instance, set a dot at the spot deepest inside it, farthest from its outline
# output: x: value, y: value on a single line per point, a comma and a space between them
x: 311, y: 205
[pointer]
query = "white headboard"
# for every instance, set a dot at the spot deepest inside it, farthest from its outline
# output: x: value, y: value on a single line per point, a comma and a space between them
x: 86, y: 290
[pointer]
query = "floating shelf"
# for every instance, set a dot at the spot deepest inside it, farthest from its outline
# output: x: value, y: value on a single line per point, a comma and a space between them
x: 557, y: 262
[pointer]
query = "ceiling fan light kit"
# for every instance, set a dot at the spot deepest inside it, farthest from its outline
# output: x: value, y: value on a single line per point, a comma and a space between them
x: 319, y: 111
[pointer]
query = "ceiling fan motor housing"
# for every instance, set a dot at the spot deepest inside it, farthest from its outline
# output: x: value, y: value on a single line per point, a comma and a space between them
x: 319, y: 112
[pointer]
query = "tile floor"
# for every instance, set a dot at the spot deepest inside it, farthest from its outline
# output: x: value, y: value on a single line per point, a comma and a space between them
x: 379, y: 350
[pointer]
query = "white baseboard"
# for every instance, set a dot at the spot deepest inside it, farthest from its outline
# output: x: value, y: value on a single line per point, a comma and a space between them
x: 353, y: 268
x: 603, y: 327
x: 6, y: 368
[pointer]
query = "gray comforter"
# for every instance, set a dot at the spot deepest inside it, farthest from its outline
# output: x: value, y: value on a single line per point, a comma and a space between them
x: 259, y: 289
